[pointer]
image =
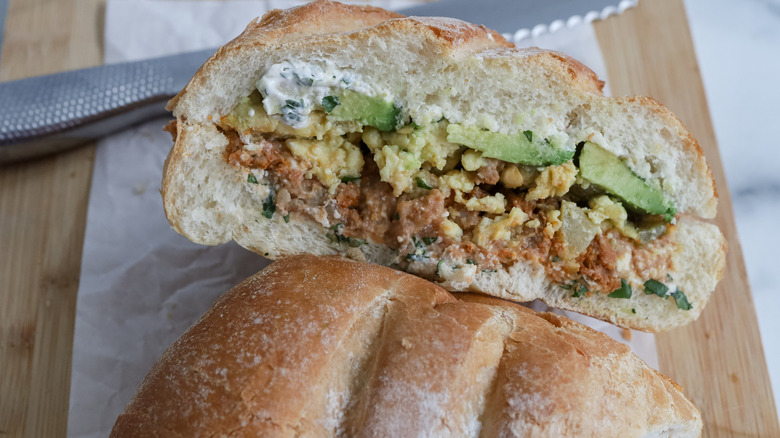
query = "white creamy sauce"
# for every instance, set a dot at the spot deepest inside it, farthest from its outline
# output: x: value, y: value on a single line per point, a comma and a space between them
x: 293, y: 89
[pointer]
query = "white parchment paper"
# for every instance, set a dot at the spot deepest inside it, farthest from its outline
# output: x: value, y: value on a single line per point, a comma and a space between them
x: 142, y: 284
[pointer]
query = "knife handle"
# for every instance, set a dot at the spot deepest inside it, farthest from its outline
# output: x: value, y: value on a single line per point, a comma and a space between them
x: 48, y: 114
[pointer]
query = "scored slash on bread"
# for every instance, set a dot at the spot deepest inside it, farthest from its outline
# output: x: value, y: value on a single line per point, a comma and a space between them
x: 325, y: 346
x: 467, y: 75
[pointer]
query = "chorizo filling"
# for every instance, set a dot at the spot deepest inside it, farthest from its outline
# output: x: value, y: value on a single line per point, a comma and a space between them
x: 442, y: 191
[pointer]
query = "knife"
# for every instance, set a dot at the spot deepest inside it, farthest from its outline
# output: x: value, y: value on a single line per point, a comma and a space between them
x: 52, y: 113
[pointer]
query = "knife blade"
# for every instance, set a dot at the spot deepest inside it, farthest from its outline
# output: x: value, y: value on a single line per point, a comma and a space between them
x: 52, y: 113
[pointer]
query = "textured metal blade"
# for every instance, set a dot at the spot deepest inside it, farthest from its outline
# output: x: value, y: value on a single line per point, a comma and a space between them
x: 46, y: 114
x: 523, y: 18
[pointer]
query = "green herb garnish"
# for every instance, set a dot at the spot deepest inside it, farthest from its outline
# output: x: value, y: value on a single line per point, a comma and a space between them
x: 681, y: 300
x: 529, y: 135
x: 286, y: 218
x: 396, y: 216
x: 470, y: 262
x: 655, y: 287
x: 306, y: 82
x: 346, y: 179
x: 489, y: 271
x: 438, y: 266
x: 422, y: 184
x: 580, y: 292
x: 293, y: 104
x: 555, y: 259
x: 429, y: 240
x: 355, y: 243
x: 624, y: 291
x: 414, y: 257
x: 269, y: 206
x: 335, y: 235
x: 330, y: 102
x: 633, y: 311
x: 251, y: 179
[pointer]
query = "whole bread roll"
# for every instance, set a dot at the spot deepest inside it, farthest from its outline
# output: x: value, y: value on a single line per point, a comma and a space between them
x: 326, y: 346
x: 437, y: 147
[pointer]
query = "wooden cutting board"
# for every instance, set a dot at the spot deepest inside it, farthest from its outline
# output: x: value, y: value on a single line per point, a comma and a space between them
x: 718, y: 359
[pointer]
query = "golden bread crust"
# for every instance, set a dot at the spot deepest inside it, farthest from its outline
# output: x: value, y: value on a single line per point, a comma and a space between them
x: 327, y: 346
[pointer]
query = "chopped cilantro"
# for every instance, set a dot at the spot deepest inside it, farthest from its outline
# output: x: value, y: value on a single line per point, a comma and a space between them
x: 422, y: 184
x: 287, y: 218
x: 429, y: 240
x: 529, y: 135
x: 633, y: 311
x: 355, y: 243
x: 470, y: 262
x: 555, y: 259
x: 251, y: 179
x: 293, y: 104
x: 655, y: 287
x: 330, y: 102
x: 489, y: 271
x: 335, y: 235
x: 624, y: 291
x: 346, y: 179
x: 681, y: 300
x: 306, y: 82
x: 345, y: 81
x: 438, y: 266
x: 414, y: 257
x: 291, y: 111
x: 269, y: 206
x: 580, y: 292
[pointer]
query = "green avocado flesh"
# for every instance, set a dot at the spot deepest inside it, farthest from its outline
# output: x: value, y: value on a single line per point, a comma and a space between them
x: 240, y: 116
x: 514, y: 148
x: 372, y: 111
x: 604, y: 169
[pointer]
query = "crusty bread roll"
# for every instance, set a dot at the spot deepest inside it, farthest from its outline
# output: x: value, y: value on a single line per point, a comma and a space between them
x: 335, y: 129
x: 326, y: 346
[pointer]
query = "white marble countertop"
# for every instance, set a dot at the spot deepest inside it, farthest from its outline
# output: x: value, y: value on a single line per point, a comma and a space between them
x: 738, y: 49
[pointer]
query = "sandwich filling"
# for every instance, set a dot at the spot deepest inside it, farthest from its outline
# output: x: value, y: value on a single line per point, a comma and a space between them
x: 455, y: 201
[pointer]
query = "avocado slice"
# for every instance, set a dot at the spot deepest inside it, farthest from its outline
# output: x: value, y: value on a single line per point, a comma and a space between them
x: 520, y: 147
x: 247, y: 113
x: 372, y: 111
x: 606, y: 170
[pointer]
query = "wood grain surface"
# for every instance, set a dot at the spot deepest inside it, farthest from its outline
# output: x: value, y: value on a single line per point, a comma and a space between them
x: 718, y: 359
x: 43, y: 206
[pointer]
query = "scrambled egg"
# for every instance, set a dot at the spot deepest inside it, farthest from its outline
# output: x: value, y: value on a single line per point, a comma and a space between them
x: 396, y: 166
x: 492, y: 204
x: 553, y: 181
x: 603, y: 208
x: 553, y: 223
x: 401, y: 154
x: 332, y: 159
x: 458, y: 180
x: 451, y: 229
x: 499, y: 228
x: 472, y: 160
